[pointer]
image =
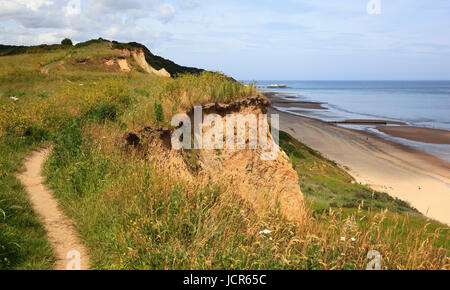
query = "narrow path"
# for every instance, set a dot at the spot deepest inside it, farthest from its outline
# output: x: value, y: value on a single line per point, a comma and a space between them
x: 60, y: 230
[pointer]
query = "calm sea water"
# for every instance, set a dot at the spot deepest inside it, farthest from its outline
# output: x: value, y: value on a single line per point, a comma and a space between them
x: 418, y: 103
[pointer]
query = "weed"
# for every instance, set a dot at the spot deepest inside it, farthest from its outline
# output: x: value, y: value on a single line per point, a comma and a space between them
x: 103, y: 111
x: 158, y: 110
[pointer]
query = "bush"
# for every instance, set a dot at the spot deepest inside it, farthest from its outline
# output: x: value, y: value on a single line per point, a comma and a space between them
x: 104, y: 111
x: 35, y: 134
x: 66, y: 42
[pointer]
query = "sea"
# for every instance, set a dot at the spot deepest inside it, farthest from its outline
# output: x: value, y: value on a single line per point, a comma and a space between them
x: 417, y: 103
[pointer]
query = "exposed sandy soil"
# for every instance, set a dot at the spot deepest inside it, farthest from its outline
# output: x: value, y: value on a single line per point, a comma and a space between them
x: 123, y: 64
x: 381, y: 164
x: 263, y: 184
x: 110, y: 62
x: 139, y: 57
x: 59, y: 228
x: 426, y: 135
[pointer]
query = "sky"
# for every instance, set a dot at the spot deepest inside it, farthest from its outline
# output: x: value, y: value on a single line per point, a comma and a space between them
x: 256, y: 40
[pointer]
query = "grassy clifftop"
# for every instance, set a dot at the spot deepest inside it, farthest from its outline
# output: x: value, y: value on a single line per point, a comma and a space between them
x: 155, y: 61
x: 38, y: 107
x: 133, y: 213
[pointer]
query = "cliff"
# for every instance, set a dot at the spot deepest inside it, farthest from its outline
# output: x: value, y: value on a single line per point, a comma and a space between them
x: 267, y: 185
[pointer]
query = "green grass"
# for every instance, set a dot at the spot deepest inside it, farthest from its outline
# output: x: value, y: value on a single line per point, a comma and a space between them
x: 134, y: 213
x: 135, y: 216
x: 326, y: 185
x: 52, y: 107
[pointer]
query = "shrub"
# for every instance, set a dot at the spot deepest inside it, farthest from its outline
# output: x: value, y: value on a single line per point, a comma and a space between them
x: 35, y: 134
x: 104, y: 111
x: 66, y: 42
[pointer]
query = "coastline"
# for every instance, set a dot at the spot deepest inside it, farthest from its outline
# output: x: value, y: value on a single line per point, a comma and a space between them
x: 414, y: 176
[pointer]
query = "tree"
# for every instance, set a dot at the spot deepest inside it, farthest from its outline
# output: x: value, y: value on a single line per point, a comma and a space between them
x: 67, y: 41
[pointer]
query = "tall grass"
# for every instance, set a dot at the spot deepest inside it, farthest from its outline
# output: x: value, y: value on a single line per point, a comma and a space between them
x: 52, y: 107
x: 181, y: 94
x: 135, y: 213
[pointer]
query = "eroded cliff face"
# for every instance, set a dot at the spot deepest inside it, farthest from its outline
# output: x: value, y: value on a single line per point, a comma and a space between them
x: 113, y: 57
x: 139, y: 58
x: 267, y: 185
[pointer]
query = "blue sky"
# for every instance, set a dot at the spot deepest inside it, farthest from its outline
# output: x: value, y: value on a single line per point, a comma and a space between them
x: 290, y: 39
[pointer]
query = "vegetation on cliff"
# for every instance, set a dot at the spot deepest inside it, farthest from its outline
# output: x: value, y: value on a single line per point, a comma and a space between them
x: 155, y: 61
x: 134, y: 212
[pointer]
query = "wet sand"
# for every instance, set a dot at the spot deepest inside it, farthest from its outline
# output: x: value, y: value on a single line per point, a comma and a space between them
x: 297, y: 104
x: 283, y: 100
x: 425, y: 135
x: 368, y: 122
x: 413, y: 176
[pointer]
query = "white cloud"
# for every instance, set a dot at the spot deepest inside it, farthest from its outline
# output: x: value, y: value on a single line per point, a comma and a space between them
x: 166, y: 12
x: 43, y: 21
x: 187, y: 4
x: 50, y: 37
x: 72, y: 8
x: 245, y: 36
x: 33, y: 4
x: 10, y: 7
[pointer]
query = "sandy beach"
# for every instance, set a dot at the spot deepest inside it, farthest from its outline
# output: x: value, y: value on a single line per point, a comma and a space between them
x: 413, y: 176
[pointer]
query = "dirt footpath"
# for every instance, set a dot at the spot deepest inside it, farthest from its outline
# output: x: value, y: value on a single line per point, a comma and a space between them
x: 69, y: 251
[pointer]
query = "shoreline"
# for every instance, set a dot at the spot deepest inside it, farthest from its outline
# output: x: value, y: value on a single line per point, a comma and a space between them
x: 414, y: 176
x: 429, y: 140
